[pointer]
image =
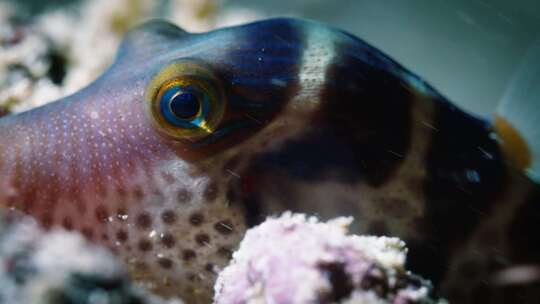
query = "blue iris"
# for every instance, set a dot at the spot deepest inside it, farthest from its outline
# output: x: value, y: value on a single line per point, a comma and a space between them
x: 181, y: 106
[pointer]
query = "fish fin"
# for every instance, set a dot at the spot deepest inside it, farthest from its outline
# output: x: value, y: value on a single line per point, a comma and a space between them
x: 518, y: 114
x: 513, y: 145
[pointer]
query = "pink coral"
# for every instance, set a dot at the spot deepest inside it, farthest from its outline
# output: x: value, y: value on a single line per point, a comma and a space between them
x: 295, y: 259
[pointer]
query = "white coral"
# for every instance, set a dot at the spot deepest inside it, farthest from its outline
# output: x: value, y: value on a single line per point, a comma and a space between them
x: 283, y: 261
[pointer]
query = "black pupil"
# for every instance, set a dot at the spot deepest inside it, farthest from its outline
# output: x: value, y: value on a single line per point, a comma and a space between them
x: 185, y: 105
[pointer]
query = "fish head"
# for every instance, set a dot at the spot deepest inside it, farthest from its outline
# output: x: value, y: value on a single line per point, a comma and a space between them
x: 272, y: 109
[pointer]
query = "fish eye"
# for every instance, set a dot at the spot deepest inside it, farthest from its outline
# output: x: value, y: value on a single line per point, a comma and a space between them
x: 185, y: 100
x: 179, y: 103
x: 182, y: 105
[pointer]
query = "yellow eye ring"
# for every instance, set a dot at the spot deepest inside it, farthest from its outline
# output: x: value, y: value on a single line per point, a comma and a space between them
x: 185, y: 100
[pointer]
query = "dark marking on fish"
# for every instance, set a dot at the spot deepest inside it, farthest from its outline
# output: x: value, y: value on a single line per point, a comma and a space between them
x: 465, y: 174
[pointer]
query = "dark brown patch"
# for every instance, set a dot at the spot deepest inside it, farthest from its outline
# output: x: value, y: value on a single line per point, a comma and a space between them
x: 165, y: 263
x: 202, y: 239
x: 254, y: 209
x: 46, y: 220
x: 184, y: 196
x: 465, y: 176
x: 121, y: 235
x: 231, y: 165
x: 12, y: 202
x: 523, y: 230
x: 415, y: 185
x: 88, y: 233
x: 210, y: 192
x: 490, y: 237
x: 144, y: 245
x: 28, y: 199
x: 81, y: 207
x: 188, y: 254
x: 393, y: 207
x: 52, y: 196
x: 121, y: 191
x: 196, y: 219
x: 363, y: 125
x: 378, y: 228
x: 209, y: 267
x: 3, y: 111
x: 376, y: 280
x: 104, y: 236
x: 168, y: 240
x: 224, y: 227
x: 138, y: 193
x: 469, y: 269
x: 141, y: 266
x: 340, y: 281
x: 224, y: 252
x: 143, y: 221
x: 232, y: 193
x: 67, y: 223
x: 101, y: 214
x: 101, y: 190
x: 168, y: 217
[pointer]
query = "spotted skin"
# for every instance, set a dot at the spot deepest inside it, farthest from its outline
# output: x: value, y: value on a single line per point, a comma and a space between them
x: 316, y: 121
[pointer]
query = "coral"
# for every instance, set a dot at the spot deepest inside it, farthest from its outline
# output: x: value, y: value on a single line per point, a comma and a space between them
x: 291, y: 259
x: 62, y: 50
x: 59, y: 267
x: 28, y: 67
x: 296, y: 259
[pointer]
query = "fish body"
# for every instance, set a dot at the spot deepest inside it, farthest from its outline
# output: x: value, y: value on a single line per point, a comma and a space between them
x: 188, y: 139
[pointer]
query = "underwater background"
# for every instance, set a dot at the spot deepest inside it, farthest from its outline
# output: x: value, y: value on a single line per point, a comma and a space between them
x: 470, y: 50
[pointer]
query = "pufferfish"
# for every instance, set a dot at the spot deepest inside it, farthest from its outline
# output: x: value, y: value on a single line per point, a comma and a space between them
x: 187, y: 140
